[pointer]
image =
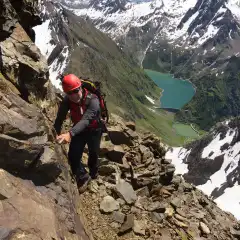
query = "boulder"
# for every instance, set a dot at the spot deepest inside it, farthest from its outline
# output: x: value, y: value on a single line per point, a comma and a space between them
x: 26, y: 210
x: 8, y: 19
x: 126, y: 192
x: 23, y: 64
x: 106, y: 170
x: 127, y: 225
x: 204, y: 228
x: 143, y: 192
x: 156, y: 207
x: 116, y: 154
x: 176, y: 202
x: 157, y: 217
x: 118, y: 217
x: 118, y: 136
x: 109, y: 204
x: 131, y: 125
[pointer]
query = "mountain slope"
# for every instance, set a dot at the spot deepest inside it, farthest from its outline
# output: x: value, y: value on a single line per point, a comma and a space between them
x: 194, y: 39
x: 73, y: 44
x: 213, y: 164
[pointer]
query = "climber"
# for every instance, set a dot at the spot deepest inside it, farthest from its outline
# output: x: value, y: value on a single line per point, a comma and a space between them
x: 85, y: 114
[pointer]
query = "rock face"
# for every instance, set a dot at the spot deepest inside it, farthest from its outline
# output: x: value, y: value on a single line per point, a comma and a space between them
x: 37, y: 197
x: 154, y: 203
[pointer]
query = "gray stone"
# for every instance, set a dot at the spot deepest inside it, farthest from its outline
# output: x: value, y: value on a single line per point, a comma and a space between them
x: 127, y: 225
x: 116, y: 154
x: 106, y: 170
x: 131, y: 125
x: 204, y: 228
x: 180, y: 212
x: 143, y: 192
x: 157, y: 217
x: 187, y: 187
x: 7, y: 190
x: 142, y: 203
x: 139, y: 228
x: 109, y: 204
x: 118, y: 217
x: 118, y: 136
x: 176, y: 202
x: 157, y: 207
x: 121, y: 201
x: 126, y: 192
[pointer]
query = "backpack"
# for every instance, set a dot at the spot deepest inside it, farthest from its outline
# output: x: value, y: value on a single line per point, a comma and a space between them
x: 95, y: 88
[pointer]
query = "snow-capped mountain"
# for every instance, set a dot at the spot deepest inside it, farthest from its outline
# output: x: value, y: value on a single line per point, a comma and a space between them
x: 183, y: 23
x: 213, y: 164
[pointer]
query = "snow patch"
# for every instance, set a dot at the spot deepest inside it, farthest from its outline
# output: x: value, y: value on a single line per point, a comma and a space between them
x: 57, y: 67
x: 150, y: 99
x: 177, y: 155
x: 43, y: 38
x: 215, y: 145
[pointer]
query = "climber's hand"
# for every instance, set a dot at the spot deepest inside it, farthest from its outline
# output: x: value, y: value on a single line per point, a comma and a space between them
x: 65, y: 137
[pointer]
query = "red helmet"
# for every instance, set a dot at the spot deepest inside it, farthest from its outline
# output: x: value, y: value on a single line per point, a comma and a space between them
x: 70, y: 82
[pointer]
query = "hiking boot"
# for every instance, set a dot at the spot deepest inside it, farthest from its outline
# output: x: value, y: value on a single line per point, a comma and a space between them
x: 83, y: 183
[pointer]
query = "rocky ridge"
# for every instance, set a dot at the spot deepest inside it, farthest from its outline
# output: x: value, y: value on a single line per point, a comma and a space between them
x: 38, y: 199
x: 137, y: 195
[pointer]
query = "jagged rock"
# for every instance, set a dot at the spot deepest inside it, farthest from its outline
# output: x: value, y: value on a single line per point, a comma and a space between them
x: 156, y: 207
x: 131, y: 125
x: 132, y: 135
x: 176, y: 202
x: 7, y: 190
x: 121, y: 201
x: 138, y: 228
x: 23, y: 64
x: 109, y: 204
x: 127, y: 225
x: 157, y: 217
x: 180, y: 218
x: 204, y: 228
x: 126, y: 192
x: 116, y: 154
x: 180, y: 212
x: 187, y: 187
x: 146, y: 153
x: 133, y: 157
x: 118, y: 136
x: 235, y: 233
x: 199, y: 214
x: 141, y: 182
x: 179, y: 223
x: 8, y: 19
x: 106, y: 170
x: 142, y: 203
x: 118, y: 217
x: 25, y: 208
x: 105, y: 147
x: 143, y: 192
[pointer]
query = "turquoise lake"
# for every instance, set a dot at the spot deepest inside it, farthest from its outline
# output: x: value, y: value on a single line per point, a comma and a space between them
x: 176, y: 93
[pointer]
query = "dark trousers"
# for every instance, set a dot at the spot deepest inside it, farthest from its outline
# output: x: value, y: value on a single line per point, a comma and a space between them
x: 76, y: 148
